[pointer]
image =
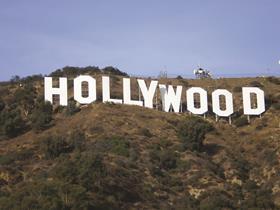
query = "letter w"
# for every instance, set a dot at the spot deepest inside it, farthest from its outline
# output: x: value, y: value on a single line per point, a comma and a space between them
x: 169, y: 97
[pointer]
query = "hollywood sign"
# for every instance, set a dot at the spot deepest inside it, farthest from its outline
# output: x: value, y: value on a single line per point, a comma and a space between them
x: 171, y: 99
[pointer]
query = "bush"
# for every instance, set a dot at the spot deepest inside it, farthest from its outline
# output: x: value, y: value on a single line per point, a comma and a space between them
x: 2, y: 105
x: 168, y: 160
x: 6, y: 159
x: 215, y: 200
x: 276, y: 106
x: 9, y: 158
x: 163, y: 159
x: 116, y: 145
x: 72, y: 108
x: 47, y: 195
x: 255, y: 84
x: 274, y: 80
x: 15, y: 79
x: 241, y: 121
x: 73, y: 71
x: 55, y: 145
x: 42, y: 116
x: 257, y: 197
x: 146, y: 132
x: 237, y: 89
x: 76, y: 140
x: 25, y: 97
x: 113, y: 70
x: 32, y: 78
x: 12, y: 123
x: 192, y: 132
x: 108, y: 186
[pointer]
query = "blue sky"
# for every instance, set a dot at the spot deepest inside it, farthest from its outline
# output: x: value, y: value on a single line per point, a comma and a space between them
x: 144, y: 37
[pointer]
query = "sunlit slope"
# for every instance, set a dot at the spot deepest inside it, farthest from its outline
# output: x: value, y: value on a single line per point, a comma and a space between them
x: 108, y: 156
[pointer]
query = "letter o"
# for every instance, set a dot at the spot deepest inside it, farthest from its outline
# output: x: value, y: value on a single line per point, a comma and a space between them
x: 91, y: 89
x: 203, y: 100
x: 216, y: 102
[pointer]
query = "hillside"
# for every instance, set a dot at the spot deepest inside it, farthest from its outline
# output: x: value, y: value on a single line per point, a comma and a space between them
x: 109, y: 156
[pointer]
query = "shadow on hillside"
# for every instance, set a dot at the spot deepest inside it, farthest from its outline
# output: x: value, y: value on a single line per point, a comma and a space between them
x: 211, y: 149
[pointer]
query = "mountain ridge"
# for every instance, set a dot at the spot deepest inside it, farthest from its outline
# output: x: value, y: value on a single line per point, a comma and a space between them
x: 111, y: 156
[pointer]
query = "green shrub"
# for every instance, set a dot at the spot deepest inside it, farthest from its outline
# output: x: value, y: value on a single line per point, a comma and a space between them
x: 276, y: 106
x: 47, y: 195
x: 53, y: 146
x: 72, y: 108
x: 185, y: 202
x: 237, y: 89
x: 115, y: 144
x: 274, y: 80
x: 217, y: 200
x: 12, y: 123
x: 76, y: 140
x: 2, y: 105
x: 25, y: 97
x: 168, y: 160
x: 9, y: 158
x: 114, y: 71
x: 163, y: 159
x: 241, y: 121
x: 192, y: 132
x: 258, y: 197
x: 42, y: 116
x: 255, y: 84
x: 118, y: 146
x: 146, y: 132
x: 73, y: 71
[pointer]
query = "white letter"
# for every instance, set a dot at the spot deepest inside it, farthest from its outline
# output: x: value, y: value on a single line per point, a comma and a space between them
x: 216, y: 103
x: 248, y: 110
x: 148, y: 94
x: 61, y: 91
x: 106, y: 91
x: 91, y: 89
x: 170, y: 97
x: 127, y: 94
x: 203, y: 100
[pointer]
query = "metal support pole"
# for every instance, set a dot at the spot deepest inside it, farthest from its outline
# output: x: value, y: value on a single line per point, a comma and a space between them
x: 139, y: 95
x: 181, y: 107
x: 156, y: 100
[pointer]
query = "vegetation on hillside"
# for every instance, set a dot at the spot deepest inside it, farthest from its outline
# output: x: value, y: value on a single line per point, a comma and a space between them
x: 110, y: 156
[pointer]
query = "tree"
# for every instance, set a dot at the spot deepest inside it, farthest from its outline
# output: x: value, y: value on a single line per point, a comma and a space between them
x: 53, y: 146
x: 25, y: 97
x: 42, y: 116
x: 15, y: 79
x: 192, y: 132
x: 2, y: 105
x: 76, y: 140
x: 113, y: 70
x: 72, y: 108
x: 215, y: 200
x: 13, y: 123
